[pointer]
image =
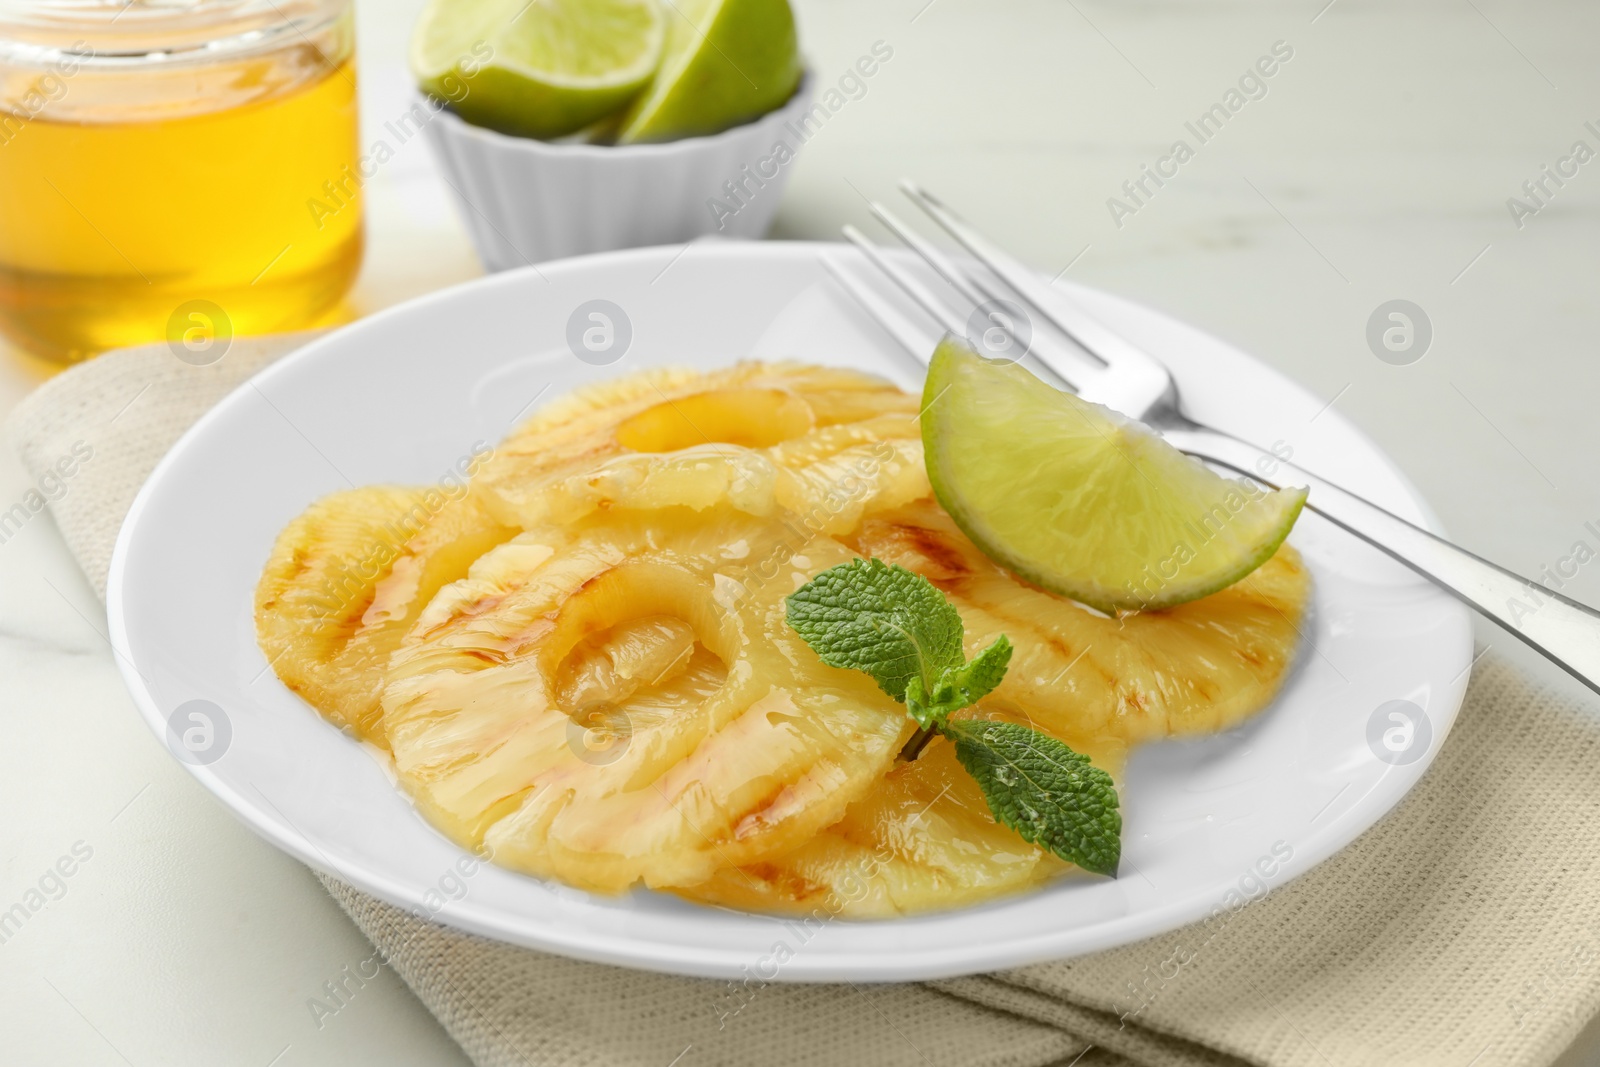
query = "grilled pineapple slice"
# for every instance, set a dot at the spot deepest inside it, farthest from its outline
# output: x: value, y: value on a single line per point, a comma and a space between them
x: 826, y: 445
x: 923, y: 838
x: 1085, y: 678
x: 722, y: 739
x: 346, y: 580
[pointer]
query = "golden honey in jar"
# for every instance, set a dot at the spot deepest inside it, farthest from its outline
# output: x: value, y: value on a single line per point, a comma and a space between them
x: 176, y: 171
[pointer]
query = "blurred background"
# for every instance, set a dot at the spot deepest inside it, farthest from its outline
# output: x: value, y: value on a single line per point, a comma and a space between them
x: 1378, y: 165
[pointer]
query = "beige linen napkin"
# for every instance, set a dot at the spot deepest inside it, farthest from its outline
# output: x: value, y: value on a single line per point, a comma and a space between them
x: 1463, y: 930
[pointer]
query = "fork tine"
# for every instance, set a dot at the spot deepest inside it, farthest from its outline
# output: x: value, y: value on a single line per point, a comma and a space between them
x: 913, y: 287
x: 968, y: 283
x: 931, y: 255
x: 1093, y: 338
x: 881, y: 311
x: 941, y: 311
x: 1064, y: 365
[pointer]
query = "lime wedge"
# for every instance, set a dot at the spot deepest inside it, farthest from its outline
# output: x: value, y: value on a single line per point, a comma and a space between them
x: 726, y: 62
x: 1082, y: 501
x: 537, y: 68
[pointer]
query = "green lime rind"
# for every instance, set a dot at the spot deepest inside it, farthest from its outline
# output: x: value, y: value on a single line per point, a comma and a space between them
x: 537, y: 70
x: 1081, y: 501
x: 726, y: 62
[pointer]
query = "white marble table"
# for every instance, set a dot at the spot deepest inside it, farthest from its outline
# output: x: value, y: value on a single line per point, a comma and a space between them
x: 1377, y: 166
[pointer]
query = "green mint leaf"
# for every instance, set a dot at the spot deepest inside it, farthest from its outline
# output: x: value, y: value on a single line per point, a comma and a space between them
x: 983, y: 674
x: 959, y: 687
x: 1043, y: 790
x: 867, y: 615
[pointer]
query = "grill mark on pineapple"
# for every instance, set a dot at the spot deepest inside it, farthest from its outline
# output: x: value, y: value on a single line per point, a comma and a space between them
x: 1060, y: 648
x: 463, y: 614
x: 337, y: 629
x: 485, y: 603
x: 519, y: 644
x: 929, y: 553
x: 297, y: 561
x: 947, y: 564
x: 343, y: 619
x: 785, y: 883
x: 755, y: 819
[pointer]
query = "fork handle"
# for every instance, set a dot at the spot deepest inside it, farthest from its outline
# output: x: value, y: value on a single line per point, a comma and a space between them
x: 1564, y: 631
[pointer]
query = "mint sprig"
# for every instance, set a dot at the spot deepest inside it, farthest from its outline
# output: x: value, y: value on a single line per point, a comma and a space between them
x: 884, y: 620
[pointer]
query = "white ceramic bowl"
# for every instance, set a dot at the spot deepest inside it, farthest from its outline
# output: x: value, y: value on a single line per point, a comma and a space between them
x: 525, y: 200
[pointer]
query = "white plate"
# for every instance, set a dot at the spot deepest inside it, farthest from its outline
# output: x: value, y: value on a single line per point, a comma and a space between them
x: 401, y: 396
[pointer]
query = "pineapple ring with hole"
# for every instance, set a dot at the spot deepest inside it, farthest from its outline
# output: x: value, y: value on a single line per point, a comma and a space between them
x: 923, y: 838
x: 668, y: 632
x: 824, y: 444
x: 345, y: 581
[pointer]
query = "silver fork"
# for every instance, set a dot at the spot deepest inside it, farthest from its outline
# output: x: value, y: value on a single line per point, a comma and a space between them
x: 1106, y: 368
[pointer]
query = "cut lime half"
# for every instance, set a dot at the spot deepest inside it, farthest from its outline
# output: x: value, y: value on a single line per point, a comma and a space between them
x: 1082, y: 501
x: 537, y: 68
x: 726, y: 62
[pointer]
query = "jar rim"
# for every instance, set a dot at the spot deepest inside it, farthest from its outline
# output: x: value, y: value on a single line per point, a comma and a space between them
x: 119, y: 33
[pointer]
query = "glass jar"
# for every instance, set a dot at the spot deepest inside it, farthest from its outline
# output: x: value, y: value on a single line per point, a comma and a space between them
x: 177, y: 170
